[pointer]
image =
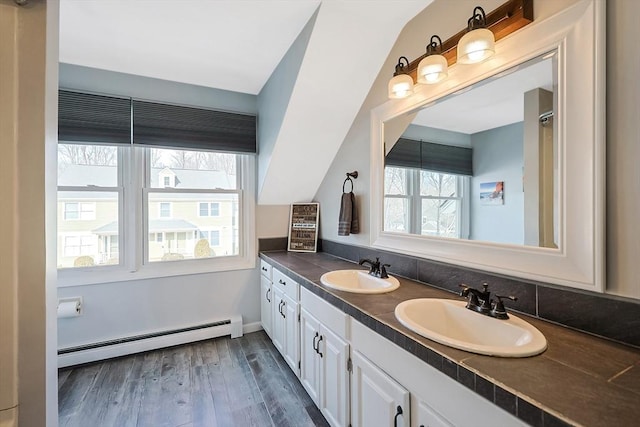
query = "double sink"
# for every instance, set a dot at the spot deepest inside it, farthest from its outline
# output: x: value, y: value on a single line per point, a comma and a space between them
x: 446, y: 321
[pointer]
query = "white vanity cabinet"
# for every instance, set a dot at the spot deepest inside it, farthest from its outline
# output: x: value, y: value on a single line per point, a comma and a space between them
x: 324, y: 370
x: 266, y: 296
x: 285, y: 327
x: 356, y: 376
x: 376, y: 398
x: 435, y: 398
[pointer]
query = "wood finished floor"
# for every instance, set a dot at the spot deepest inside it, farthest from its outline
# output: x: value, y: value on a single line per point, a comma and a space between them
x: 220, y: 382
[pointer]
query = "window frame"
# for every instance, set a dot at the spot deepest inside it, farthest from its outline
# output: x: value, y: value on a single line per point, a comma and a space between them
x: 133, y: 231
x: 414, y: 200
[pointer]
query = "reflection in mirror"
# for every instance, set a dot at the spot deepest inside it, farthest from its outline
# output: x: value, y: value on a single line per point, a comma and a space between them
x: 480, y: 164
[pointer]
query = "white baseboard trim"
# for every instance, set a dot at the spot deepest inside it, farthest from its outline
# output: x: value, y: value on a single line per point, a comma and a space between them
x: 252, y: 327
x: 235, y: 329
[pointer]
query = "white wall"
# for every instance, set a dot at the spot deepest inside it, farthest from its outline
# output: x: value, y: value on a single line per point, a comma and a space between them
x: 122, y: 309
x: 498, y: 156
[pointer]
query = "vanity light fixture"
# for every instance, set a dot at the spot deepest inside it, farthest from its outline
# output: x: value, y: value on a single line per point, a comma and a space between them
x: 401, y: 85
x: 479, y: 42
x: 472, y: 44
x: 433, y: 68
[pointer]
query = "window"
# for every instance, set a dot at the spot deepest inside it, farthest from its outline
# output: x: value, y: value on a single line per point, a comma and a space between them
x: 212, y: 236
x: 164, y: 210
x: 79, y: 245
x: 205, y: 204
x: 424, y: 202
x: 89, y: 200
x: 202, y: 177
x: 131, y: 210
x: 209, y: 209
x: 79, y: 210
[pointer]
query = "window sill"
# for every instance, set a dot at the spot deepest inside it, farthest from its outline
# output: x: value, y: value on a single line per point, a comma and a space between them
x: 100, y: 275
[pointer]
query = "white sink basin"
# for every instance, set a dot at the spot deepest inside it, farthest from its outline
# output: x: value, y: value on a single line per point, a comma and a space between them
x: 450, y: 323
x: 358, y: 281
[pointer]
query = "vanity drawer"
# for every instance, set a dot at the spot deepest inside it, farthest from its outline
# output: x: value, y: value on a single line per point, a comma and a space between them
x: 328, y: 315
x: 265, y: 269
x: 286, y: 284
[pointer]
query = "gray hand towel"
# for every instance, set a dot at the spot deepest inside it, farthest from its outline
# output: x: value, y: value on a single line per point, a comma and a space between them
x: 348, y: 219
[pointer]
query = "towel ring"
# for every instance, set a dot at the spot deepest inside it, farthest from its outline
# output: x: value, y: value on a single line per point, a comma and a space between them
x: 345, y: 183
x: 350, y: 175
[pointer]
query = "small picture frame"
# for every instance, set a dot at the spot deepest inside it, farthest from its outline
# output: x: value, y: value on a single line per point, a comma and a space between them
x: 492, y: 193
x: 303, y: 227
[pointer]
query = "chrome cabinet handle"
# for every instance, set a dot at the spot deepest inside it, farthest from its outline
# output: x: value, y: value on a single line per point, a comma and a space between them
x: 282, y: 282
x: 266, y: 295
x: 284, y: 304
x: 314, y: 342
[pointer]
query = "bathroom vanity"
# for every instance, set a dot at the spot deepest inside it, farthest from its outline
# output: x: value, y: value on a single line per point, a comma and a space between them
x: 363, y: 367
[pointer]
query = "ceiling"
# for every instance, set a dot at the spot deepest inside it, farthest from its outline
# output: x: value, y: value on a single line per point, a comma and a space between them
x: 226, y: 44
x: 490, y: 104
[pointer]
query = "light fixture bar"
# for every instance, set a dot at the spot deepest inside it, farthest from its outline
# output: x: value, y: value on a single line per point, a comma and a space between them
x: 502, y: 21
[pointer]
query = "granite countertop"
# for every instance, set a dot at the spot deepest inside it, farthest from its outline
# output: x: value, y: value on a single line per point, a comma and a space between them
x: 579, y: 380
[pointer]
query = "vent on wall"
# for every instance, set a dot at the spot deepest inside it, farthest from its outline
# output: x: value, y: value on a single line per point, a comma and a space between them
x: 135, y: 344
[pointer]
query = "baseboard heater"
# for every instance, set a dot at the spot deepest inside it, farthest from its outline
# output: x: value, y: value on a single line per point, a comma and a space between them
x: 86, y: 353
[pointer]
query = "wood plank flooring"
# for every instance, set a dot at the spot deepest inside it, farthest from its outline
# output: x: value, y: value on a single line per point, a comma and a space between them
x: 214, y: 383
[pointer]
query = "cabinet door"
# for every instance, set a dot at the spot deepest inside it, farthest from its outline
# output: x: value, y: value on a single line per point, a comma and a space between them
x: 265, y: 304
x: 291, y: 334
x: 376, y: 398
x: 334, y: 399
x: 277, y: 319
x: 427, y: 417
x: 309, y: 357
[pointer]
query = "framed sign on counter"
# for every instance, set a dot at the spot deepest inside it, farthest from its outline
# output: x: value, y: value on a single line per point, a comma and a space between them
x: 303, y: 227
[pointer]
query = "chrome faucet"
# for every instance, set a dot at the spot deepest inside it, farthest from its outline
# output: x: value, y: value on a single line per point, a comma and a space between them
x: 376, y: 268
x: 481, y: 301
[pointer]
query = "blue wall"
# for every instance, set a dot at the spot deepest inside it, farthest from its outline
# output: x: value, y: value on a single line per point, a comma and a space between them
x: 498, y: 156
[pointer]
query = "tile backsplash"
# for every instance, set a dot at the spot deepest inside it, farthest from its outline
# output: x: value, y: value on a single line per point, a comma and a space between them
x: 607, y: 316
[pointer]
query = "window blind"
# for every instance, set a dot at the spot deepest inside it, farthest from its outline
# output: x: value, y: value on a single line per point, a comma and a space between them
x: 408, y: 153
x: 87, y: 118
x: 174, y: 126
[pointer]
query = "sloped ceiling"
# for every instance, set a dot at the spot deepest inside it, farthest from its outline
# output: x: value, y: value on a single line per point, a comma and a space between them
x: 349, y: 43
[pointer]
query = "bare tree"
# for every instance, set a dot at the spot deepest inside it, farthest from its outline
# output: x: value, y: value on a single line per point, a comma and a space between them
x: 97, y: 155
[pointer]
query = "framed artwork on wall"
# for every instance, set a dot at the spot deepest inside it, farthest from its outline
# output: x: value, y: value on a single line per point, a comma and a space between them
x: 303, y: 227
x: 492, y: 193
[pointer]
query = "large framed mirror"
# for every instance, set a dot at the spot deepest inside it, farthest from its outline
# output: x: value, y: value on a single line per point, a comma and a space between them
x: 501, y: 166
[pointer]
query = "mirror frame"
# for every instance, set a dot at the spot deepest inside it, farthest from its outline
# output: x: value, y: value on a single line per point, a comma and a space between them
x: 578, y: 35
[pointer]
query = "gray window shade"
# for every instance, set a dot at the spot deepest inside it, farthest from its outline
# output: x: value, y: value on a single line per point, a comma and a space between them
x: 86, y: 118
x: 404, y: 154
x: 450, y: 159
x: 162, y: 125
